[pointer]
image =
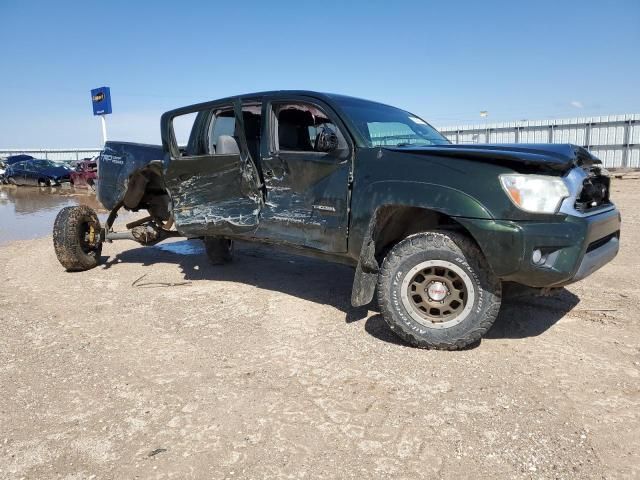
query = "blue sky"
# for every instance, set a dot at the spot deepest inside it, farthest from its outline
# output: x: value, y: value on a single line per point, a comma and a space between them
x: 445, y: 61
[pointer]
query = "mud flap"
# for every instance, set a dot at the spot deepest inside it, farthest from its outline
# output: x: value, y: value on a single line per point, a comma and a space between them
x: 364, y: 286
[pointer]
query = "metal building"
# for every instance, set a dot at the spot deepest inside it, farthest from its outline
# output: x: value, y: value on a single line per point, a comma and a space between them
x: 615, y: 139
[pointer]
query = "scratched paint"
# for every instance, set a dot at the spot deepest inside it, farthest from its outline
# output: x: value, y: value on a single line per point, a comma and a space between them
x: 214, y: 196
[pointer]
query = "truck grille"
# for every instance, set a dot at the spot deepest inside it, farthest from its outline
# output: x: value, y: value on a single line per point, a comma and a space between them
x: 594, y: 193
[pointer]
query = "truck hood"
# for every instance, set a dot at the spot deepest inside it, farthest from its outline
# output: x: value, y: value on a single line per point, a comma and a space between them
x: 561, y: 157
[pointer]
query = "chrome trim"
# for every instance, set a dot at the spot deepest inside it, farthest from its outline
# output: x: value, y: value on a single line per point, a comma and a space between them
x: 574, y: 180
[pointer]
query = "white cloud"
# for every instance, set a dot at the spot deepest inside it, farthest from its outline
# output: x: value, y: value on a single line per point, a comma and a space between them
x: 576, y: 104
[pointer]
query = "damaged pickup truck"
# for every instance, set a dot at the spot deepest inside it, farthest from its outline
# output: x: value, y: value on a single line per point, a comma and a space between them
x: 436, y: 229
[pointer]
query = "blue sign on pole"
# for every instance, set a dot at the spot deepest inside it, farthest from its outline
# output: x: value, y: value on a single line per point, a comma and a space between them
x: 101, y: 100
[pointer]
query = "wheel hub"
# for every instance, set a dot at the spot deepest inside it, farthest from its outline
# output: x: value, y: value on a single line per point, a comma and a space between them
x: 437, y: 291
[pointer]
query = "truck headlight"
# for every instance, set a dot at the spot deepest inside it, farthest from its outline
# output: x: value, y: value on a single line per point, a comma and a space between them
x: 535, y: 193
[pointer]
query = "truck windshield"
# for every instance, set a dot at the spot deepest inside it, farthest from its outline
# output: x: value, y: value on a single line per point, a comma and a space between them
x: 382, y: 125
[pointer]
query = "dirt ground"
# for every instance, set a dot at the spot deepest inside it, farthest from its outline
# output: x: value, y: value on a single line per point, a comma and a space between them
x: 157, y: 365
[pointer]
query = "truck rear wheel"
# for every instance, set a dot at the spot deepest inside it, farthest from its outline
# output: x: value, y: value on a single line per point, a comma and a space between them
x: 219, y: 250
x: 76, y: 238
x: 436, y: 290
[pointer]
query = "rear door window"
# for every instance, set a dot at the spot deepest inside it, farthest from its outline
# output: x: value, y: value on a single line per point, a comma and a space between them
x: 198, y: 133
x: 222, y: 123
x: 182, y: 127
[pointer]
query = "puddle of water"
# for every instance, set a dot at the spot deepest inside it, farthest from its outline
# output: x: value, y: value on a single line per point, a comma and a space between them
x: 29, y: 212
x: 182, y: 247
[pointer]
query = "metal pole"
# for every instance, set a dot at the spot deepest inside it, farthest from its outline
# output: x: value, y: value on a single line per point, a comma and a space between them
x: 626, y: 148
x: 104, y: 129
x: 587, y: 135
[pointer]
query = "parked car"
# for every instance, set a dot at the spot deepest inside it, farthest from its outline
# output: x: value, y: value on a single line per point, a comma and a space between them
x: 436, y: 229
x: 17, y: 158
x: 44, y: 173
x: 85, y: 173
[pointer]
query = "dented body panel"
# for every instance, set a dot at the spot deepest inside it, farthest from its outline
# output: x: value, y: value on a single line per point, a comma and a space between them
x: 117, y: 163
x: 212, y: 192
x: 546, y: 156
x: 206, y: 196
x: 307, y: 193
x: 350, y: 203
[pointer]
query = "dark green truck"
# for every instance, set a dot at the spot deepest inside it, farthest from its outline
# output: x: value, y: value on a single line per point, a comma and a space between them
x: 436, y: 229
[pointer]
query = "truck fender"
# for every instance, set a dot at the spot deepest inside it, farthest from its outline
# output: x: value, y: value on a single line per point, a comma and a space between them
x: 438, y: 200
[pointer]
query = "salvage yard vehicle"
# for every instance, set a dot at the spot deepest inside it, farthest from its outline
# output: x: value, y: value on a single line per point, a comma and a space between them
x: 11, y: 159
x: 436, y: 229
x: 35, y: 172
x: 85, y: 173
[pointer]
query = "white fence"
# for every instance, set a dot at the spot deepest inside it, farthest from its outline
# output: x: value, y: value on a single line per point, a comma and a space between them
x: 55, y: 154
x: 614, y: 139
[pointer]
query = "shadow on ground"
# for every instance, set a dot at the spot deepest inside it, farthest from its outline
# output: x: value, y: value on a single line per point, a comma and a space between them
x: 530, y: 316
x: 329, y: 283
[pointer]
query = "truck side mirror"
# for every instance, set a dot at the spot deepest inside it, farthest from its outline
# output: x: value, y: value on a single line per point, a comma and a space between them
x: 326, y: 140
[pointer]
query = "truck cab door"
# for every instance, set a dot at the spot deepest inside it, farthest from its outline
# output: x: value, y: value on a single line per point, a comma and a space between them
x: 307, y: 180
x: 213, y: 182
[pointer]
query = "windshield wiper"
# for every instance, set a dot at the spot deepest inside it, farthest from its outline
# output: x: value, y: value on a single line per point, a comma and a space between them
x: 408, y: 144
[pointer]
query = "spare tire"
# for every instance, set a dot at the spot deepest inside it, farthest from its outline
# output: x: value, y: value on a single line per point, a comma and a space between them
x: 76, y: 238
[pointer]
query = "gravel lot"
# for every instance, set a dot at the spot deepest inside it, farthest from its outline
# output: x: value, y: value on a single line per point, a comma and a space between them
x: 157, y: 365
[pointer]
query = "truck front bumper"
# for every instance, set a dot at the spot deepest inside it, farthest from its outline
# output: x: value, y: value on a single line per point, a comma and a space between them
x: 597, y: 258
x: 571, y: 247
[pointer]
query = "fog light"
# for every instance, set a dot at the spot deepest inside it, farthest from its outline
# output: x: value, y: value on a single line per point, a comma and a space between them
x: 537, y: 257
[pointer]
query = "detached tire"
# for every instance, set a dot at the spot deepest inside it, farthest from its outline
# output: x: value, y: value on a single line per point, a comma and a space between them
x: 219, y: 250
x: 436, y: 290
x: 76, y: 238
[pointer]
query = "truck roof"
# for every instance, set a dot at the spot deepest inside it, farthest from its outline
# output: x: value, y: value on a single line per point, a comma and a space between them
x: 331, y: 98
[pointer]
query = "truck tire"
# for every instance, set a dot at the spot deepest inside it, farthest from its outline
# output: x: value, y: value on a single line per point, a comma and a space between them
x: 76, y: 238
x: 219, y: 250
x: 436, y: 290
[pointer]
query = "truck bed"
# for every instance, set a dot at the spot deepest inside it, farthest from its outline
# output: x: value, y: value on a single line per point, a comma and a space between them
x: 117, y: 162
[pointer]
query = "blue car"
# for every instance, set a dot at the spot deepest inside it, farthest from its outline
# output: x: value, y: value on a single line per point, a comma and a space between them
x: 43, y: 173
x: 17, y: 158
